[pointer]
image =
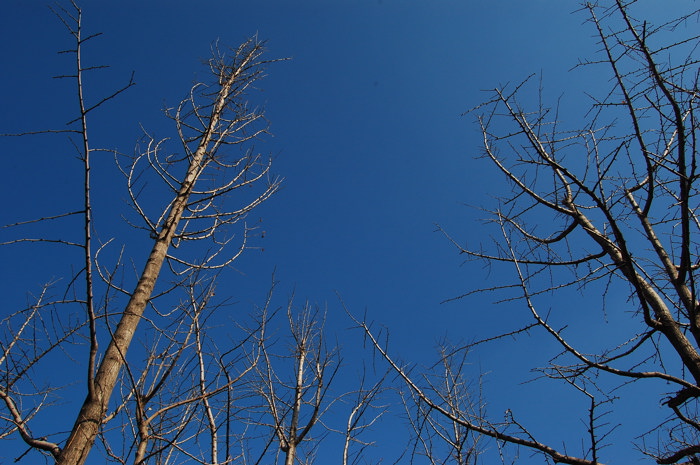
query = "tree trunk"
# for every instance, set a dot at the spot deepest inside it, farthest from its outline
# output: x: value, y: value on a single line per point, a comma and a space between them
x: 94, y: 407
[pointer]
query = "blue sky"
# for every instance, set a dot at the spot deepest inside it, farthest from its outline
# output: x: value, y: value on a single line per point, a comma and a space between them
x: 367, y: 133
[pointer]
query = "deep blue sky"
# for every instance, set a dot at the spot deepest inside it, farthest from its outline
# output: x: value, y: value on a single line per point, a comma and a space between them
x: 367, y: 134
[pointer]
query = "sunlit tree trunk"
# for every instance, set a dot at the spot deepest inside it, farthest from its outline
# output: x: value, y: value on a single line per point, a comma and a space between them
x: 95, y: 406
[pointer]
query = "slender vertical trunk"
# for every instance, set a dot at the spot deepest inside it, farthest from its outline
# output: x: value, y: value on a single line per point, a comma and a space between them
x: 211, y: 421
x: 296, y: 409
x: 291, y: 454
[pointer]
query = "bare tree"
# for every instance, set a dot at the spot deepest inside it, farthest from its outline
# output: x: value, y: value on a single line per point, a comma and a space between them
x: 184, y: 402
x: 610, y: 205
x: 441, y: 439
x: 365, y: 412
x: 295, y: 399
x: 206, y: 194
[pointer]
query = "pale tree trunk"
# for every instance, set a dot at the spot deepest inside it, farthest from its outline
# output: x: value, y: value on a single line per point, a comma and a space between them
x: 290, y: 454
x: 294, y: 439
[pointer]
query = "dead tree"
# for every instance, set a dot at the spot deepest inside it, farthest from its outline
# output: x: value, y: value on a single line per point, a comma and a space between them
x: 609, y: 205
x: 365, y: 412
x: 293, y: 385
x: 439, y: 439
x: 208, y: 190
x: 184, y: 402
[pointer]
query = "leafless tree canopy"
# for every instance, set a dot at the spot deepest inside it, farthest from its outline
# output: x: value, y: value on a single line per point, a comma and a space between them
x: 608, y: 207
x: 175, y: 390
x: 598, y: 210
x: 159, y: 387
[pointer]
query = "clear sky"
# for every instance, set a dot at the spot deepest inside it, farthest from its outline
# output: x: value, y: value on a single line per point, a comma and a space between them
x: 368, y: 135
